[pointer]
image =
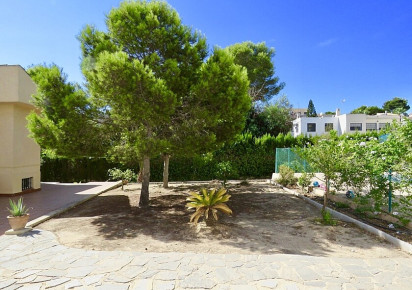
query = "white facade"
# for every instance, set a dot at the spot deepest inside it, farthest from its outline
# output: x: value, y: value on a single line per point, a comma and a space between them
x: 346, y: 123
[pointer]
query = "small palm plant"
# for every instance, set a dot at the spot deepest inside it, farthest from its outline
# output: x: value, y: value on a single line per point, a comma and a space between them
x: 208, y: 201
x: 17, y: 208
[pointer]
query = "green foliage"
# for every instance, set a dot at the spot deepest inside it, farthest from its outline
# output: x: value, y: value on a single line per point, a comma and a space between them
x: 66, y: 122
x: 362, y: 162
x: 124, y: 175
x: 249, y: 157
x: 396, y: 105
x: 372, y: 110
x: 224, y: 170
x: 222, y: 100
x: 74, y: 170
x: 164, y: 96
x: 327, y: 219
x: 286, y: 176
x: 324, y: 156
x: 118, y: 174
x: 272, y: 119
x: 17, y: 208
x: 404, y: 221
x: 311, y: 110
x: 305, y: 179
x: 339, y: 204
x: 257, y: 59
x: 208, y: 201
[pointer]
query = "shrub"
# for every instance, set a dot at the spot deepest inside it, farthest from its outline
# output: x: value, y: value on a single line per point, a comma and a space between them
x: 287, y: 176
x: 125, y: 176
x: 304, y: 179
x: 224, y: 170
x: 327, y: 219
x: 208, y: 201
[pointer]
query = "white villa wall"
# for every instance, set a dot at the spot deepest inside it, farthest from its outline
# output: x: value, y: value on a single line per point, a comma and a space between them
x: 320, y: 125
x: 341, y: 123
x: 347, y: 119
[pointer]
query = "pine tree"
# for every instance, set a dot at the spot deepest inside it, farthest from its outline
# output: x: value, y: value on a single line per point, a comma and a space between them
x: 311, y: 110
x: 150, y: 73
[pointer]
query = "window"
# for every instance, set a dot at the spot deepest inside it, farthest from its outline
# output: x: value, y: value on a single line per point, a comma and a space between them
x: 355, y: 126
x: 311, y: 127
x: 26, y: 183
x: 328, y: 127
x: 383, y: 125
x: 371, y: 127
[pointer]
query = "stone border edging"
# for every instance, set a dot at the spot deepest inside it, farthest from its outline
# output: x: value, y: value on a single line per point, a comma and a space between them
x: 404, y: 246
x: 52, y: 214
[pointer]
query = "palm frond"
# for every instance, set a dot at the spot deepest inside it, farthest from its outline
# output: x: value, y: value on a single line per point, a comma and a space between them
x: 223, y: 208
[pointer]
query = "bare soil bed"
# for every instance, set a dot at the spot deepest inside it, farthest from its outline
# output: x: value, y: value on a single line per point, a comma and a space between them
x: 397, y: 229
x: 266, y: 220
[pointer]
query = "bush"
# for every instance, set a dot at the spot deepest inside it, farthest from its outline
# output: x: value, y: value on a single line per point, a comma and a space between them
x: 224, y: 170
x: 305, y: 179
x: 287, y: 176
x: 125, y: 176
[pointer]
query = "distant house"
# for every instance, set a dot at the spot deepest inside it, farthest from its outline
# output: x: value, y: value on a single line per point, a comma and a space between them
x: 346, y: 123
x: 19, y: 154
x: 296, y: 112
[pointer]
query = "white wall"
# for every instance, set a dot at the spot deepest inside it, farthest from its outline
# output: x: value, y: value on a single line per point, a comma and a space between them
x: 340, y: 123
x: 320, y: 125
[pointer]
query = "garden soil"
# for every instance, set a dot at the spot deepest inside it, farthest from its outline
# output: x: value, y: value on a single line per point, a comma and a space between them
x: 265, y: 220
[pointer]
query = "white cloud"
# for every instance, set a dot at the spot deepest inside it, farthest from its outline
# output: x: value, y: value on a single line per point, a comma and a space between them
x: 327, y: 42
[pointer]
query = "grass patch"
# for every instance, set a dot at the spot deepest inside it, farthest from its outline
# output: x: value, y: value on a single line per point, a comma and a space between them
x: 339, y: 204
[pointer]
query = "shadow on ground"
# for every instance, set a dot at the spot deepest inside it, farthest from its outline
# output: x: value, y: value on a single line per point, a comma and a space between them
x: 264, y: 222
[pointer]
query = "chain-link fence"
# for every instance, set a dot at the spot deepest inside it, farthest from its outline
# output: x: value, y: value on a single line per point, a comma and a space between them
x: 285, y: 156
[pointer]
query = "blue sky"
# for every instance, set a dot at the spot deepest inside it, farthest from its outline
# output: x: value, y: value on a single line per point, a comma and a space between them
x: 342, y: 54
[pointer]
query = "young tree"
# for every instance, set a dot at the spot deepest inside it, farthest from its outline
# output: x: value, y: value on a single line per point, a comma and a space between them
x: 324, y: 156
x: 396, y: 105
x: 65, y: 121
x: 257, y: 59
x: 311, y: 110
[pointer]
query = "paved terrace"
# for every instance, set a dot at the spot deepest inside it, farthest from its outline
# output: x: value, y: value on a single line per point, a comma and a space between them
x: 39, y: 261
x: 53, y: 198
x: 36, y: 260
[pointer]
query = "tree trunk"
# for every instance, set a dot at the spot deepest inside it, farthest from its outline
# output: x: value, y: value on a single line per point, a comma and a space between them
x: 166, y: 158
x: 325, y: 196
x: 144, y: 194
x: 140, y: 175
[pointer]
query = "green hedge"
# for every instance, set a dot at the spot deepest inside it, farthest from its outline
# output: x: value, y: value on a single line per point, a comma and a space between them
x: 249, y: 157
x: 75, y: 170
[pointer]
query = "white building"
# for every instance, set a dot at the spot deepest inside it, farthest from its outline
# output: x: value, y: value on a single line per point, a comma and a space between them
x: 346, y: 123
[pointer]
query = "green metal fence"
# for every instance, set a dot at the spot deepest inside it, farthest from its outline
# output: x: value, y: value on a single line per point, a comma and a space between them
x: 285, y: 156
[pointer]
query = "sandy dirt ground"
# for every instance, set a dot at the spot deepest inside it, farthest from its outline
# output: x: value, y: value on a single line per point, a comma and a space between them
x: 265, y: 220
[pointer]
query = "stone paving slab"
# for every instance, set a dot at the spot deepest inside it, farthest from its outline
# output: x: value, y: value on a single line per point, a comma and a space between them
x: 36, y: 260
